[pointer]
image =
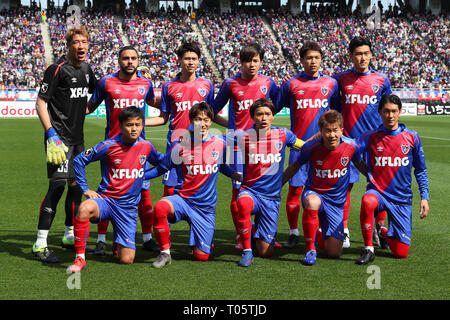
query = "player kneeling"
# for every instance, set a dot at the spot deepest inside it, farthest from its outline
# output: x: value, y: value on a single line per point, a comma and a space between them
x: 122, y: 160
x: 198, y: 160
x: 325, y: 192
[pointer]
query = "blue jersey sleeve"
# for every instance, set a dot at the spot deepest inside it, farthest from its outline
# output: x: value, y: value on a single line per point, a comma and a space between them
x: 420, y: 168
x: 150, y: 93
x: 305, y: 152
x: 283, y: 97
x: 291, y: 137
x: 222, y: 97
x: 99, y: 93
x: 164, y: 162
x: 335, y: 98
x: 274, y: 92
x: 165, y: 101
x: 210, y: 97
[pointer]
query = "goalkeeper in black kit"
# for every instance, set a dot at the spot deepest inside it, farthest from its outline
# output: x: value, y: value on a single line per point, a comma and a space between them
x: 61, y: 107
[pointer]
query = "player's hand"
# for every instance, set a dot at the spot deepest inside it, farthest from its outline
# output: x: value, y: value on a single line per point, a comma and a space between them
x: 91, y: 194
x: 236, y: 176
x: 424, y: 208
x: 56, y: 149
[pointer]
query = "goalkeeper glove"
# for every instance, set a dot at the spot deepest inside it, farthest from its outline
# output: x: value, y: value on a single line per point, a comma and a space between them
x: 56, y: 149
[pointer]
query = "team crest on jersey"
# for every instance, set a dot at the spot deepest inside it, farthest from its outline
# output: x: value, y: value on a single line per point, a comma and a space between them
x: 215, y: 155
x: 88, y: 152
x: 405, y: 148
x: 44, y: 87
x: 202, y: 91
x: 87, y: 77
x: 344, y: 161
x: 375, y: 88
x: 263, y: 89
x: 141, y: 90
x: 278, y: 145
x: 324, y: 91
x: 142, y: 159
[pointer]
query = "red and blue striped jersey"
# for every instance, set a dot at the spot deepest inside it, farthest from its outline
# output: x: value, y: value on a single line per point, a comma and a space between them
x: 241, y: 94
x: 307, y: 99
x: 390, y: 157
x: 263, y: 158
x: 360, y: 96
x: 119, y: 94
x: 328, y: 172
x: 178, y: 97
x: 122, y: 167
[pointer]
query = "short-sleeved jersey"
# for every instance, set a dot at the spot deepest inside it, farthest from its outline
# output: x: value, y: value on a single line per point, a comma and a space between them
x: 122, y: 167
x: 119, y: 94
x: 65, y: 87
x: 198, y: 164
x: 178, y: 97
x: 328, y: 171
x: 390, y: 157
x: 263, y: 158
x: 241, y: 94
x: 307, y: 98
x: 360, y: 96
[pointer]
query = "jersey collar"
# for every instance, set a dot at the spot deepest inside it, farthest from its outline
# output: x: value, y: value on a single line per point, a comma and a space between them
x: 363, y: 73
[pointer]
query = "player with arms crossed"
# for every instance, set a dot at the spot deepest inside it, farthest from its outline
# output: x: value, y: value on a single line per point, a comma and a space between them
x: 177, y: 97
x: 326, y: 189
x: 122, y: 163
x: 308, y: 95
x: 120, y: 90
x: 361, y: 89
x: 242, y: 90
x: 263, y: 149
x: 198, y: 161
x: 390, y: 152
x: 61, y: 107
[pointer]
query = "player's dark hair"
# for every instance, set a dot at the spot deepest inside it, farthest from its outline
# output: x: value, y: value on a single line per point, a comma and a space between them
x: 188, y: 47
x: 331, y: 116
x: 128, y: 48
x: 357, y: 42
x: 250, y: 50
x: 72, y: 32
x: 310, y: 45
x: 201, y: 107
x: 131, y: 112
x: 260, y: 103
x: 390, y: 98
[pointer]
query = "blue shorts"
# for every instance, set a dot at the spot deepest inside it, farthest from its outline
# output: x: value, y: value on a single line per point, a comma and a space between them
x: 123, y: 219
x: 399, y: 215
x: 354, y: 173
x: 201, y: 224
x: 266, y: 216
x: 331, y: 216
x: 301, y: 176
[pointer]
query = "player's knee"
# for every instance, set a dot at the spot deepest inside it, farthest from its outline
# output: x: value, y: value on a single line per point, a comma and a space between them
x: 312, y: 202
x: 200, y: 255
x: 369, y: 202
x: 333, y: 248
x: 161, y: 211
x: 399, y: 249
x: 87, y: 209
x: 264, y: 249
x: 126, y: 259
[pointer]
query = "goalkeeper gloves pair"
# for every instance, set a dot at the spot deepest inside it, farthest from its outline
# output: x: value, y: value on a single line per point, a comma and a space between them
x: 56, y: 149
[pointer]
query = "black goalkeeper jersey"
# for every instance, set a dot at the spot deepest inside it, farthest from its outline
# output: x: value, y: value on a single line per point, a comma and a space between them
x: 65, y: 87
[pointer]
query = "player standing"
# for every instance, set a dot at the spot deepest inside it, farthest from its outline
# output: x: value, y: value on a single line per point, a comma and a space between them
x: 327, y: 184
x: 177, y: 97
x: 308, y: 95
x: 61, y: 107
x: 361, y: 89
x: 198, y: 161
x: 119, y: 90
x: 263, y: 149
x: 390, y: 152
x: 242, y: 90
x: 122, y: 162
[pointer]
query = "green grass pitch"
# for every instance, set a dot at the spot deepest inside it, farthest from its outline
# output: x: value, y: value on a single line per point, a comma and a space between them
x: 423, y: 275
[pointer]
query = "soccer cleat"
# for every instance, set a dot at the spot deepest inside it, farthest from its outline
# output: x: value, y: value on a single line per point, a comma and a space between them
x: 382, y: 240
x: 346, y: 243
x: 366, y: 257
x: 151, y: 245
x: 44, y: 254
x: 161, y: 260
x: 247, y: 259
x: 78, y: 265
x: 67, y: 244
x: 291, y: 242
x: 310, y: 258
x: 100, y: 249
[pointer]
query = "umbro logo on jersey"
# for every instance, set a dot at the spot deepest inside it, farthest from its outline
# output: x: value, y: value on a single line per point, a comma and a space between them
x: 350, y: 87
x: 319, y: 162
x: 87, y: 78
x: 117, y: 91
x: 241, y: 93
x: 300, y: 92
x: 74, y: 80
x: 78, y: 92
x: 380, y: 149
x: 118, y: 161
x: 179, y: 94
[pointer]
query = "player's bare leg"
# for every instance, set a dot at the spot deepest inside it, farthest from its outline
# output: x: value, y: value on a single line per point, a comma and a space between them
x: 126, y: 255
x: 333, y: 247
x: 264, y: 249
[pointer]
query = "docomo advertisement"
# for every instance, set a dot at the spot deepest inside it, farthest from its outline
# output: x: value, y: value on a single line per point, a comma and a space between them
x: 18, y: 109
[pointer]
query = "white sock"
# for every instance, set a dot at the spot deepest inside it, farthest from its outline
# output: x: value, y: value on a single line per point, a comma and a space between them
x: 41, y: 240
x: 369, y: 248
x: 68, y: 233
x: 146, y: 237
x: 101, y: 237
x: 80, y: 255
x: 166, y: 251
x: 346, y: 231
x: 293, y: 232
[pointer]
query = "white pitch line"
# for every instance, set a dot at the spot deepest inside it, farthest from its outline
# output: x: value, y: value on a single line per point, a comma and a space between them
x: 435, y: 138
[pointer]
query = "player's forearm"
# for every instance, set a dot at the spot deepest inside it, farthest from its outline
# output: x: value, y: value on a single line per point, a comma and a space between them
x: 156, y: 121
x: 41, y: 108
x: 221, y: 121
x: 290, y: 171
x: 90, y: 107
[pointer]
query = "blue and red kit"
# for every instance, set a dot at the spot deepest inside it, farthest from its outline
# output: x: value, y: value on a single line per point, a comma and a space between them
x: 241, y: 94
x: 177, y: 98
x: 119, y: 94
